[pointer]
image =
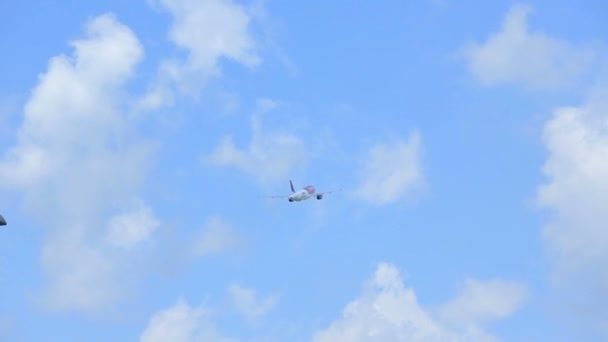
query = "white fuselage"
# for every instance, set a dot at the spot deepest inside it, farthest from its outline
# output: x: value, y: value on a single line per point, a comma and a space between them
x: 300, y: 195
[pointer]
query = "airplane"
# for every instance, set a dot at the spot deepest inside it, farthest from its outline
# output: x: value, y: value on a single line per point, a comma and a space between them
x: 2, y: 221
x: 304, y: 193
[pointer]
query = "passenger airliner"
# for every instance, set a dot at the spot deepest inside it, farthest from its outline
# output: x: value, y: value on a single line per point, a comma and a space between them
x: 304, y: 193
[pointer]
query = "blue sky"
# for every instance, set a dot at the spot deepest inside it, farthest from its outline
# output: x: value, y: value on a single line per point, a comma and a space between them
x: 138, y: 142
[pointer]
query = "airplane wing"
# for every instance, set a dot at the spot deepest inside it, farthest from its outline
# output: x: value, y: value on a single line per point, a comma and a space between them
x: 278, y: 196
x: 328, y: 192
x: 2, y: 221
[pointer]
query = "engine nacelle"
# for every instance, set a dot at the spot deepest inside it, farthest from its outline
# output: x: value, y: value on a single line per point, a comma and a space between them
x: 319, y: 197
x: 291, y: 200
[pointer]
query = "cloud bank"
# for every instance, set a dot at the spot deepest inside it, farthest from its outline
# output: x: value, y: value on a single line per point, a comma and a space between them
x: 389, y: 311
x: 576, y: 168
x: 576, y: 192
x: 77, y: 160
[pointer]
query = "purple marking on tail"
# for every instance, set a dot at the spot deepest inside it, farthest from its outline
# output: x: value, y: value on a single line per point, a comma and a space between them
x: 291, y: 185
x: 310, y: 189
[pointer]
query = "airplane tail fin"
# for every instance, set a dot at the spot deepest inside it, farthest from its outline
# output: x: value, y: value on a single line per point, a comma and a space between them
x: 291, y: 185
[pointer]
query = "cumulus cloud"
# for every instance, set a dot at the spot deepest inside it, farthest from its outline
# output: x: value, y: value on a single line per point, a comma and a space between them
x: 248, y: 303
x: 270, y: 155
x: 76, y: 159
x: 182, y: 323
x: 74, y: 101
x: 212, y: 28
x: 208, y: 30
x: 577, y: 192
x: 390, y: 171
x: 389, y: 311
x: 536, y: 61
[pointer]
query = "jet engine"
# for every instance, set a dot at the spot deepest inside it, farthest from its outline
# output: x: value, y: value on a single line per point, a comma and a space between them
x: 319, y: 197
x: 291, y: 200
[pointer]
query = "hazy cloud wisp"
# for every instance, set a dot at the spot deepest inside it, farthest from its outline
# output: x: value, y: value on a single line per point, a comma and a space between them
x: 270, y: 156
x: 391, y: 171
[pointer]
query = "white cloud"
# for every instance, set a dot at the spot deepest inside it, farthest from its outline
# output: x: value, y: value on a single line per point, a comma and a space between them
x: 128, y: 229
x: 530, y: 59
x: 182, y: 323
x: 270, y: 156
x: 215, y: 237
x: 75, y: 99
x: 248, y: 303
x: 391, y: 171
x: 577, y: 166
x: 577, y: 193
x: 388, y: 311
x: 76, y: 159
x: 208, y: 30
x: 481, y: 301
